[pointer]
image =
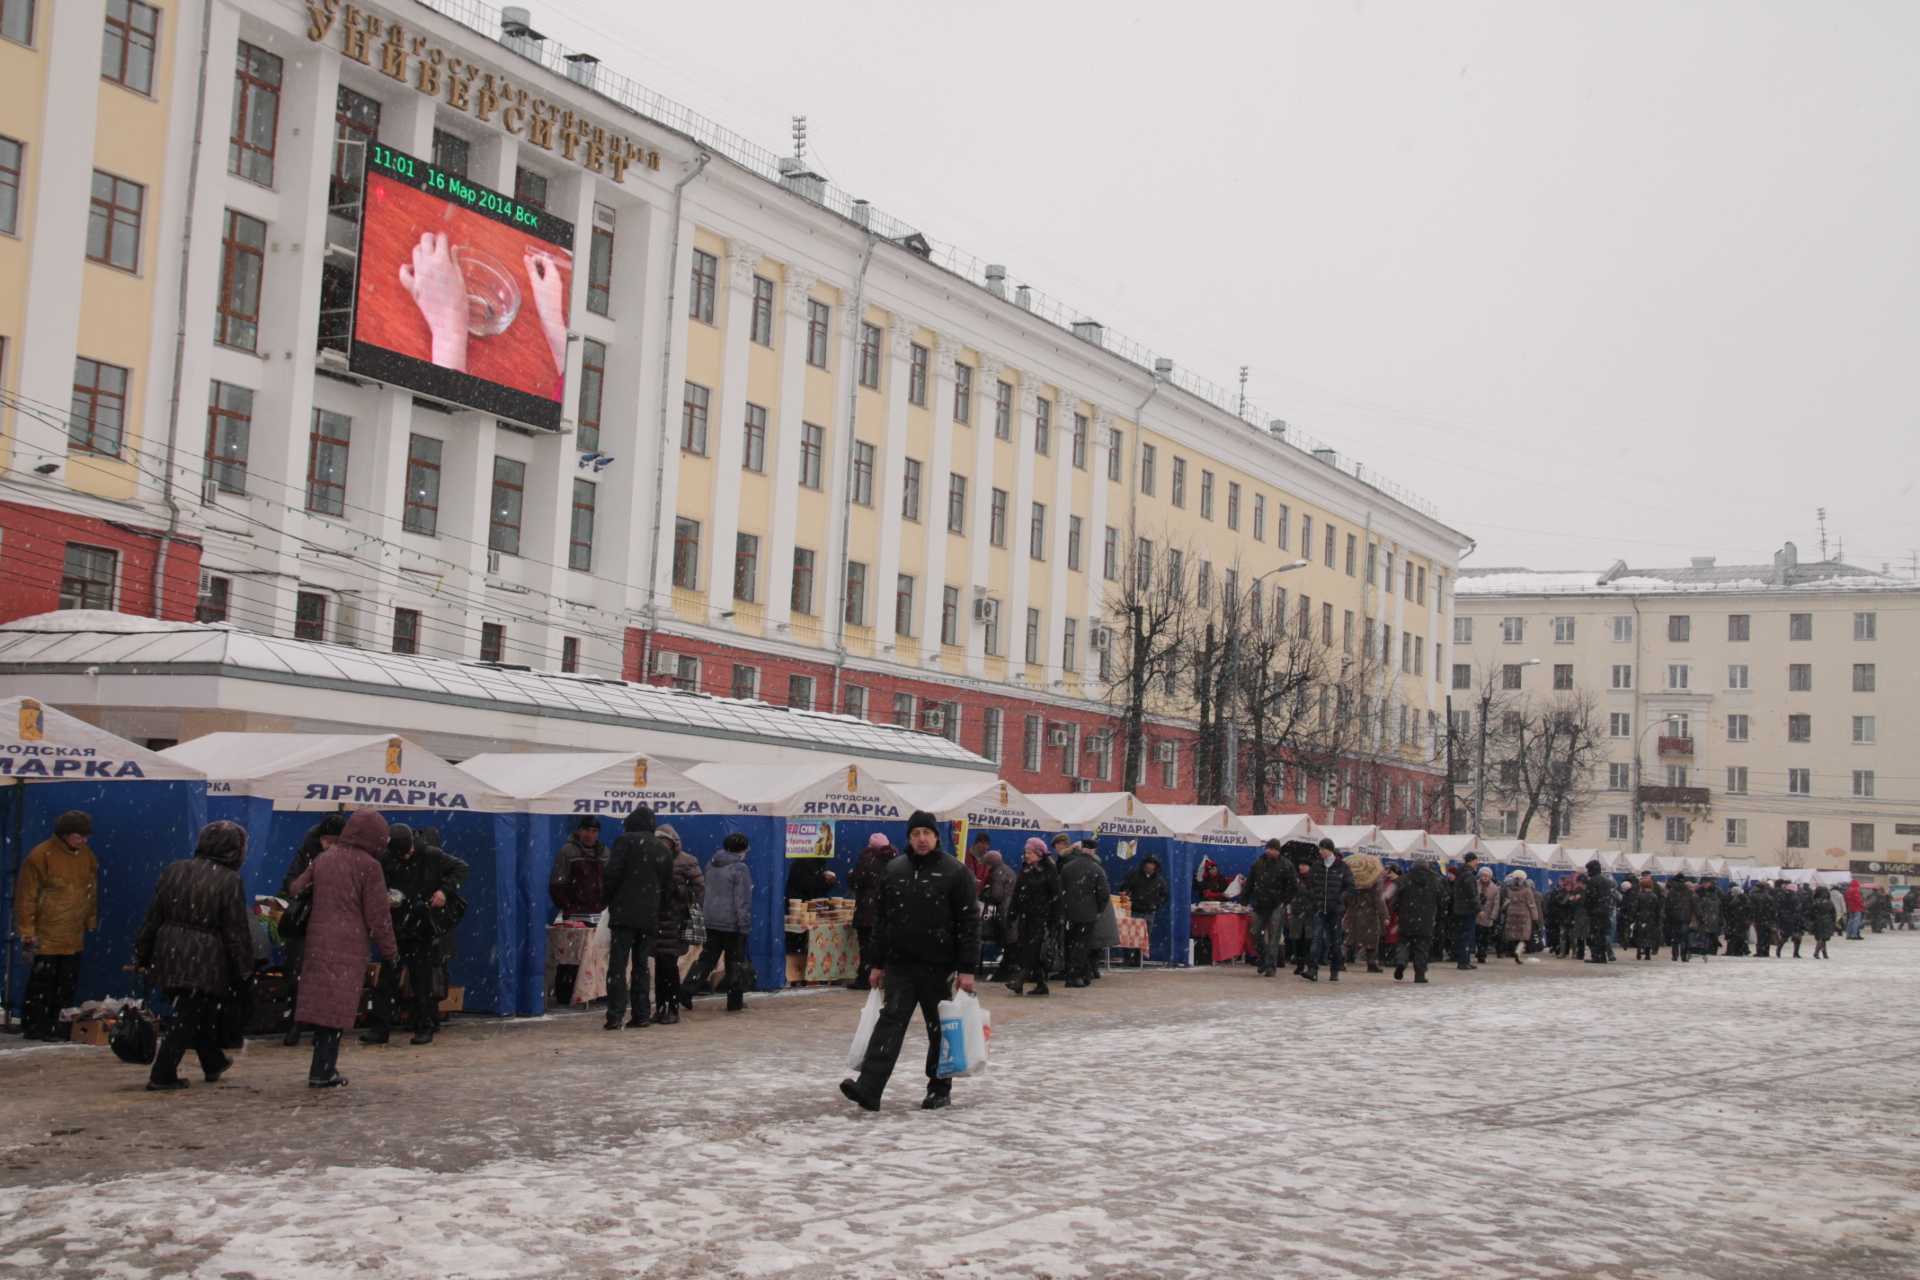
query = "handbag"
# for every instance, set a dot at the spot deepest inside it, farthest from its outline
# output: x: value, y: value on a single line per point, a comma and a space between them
x: 869, y: 1018
x: 740, y: 976
x: 135, y: 1034
x: 693, y: 930
x: 294, y: 920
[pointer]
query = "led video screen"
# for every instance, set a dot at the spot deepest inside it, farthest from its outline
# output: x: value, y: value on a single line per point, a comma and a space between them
x: 461, y: 291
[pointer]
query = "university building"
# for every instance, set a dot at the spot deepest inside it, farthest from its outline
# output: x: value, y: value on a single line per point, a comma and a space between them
x: 1758, y: 712
x: 710, y: 422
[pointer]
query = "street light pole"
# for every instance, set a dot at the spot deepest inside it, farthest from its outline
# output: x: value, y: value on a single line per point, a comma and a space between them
x: 1232, y: 763
x: 1480, y: 757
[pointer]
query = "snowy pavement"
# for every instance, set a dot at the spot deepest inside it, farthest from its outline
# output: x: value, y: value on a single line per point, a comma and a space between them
x: 1741, y: 1118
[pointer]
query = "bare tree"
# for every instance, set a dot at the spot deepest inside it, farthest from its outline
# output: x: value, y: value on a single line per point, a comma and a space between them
x: 1546, y: 754
x: 1152, y: 604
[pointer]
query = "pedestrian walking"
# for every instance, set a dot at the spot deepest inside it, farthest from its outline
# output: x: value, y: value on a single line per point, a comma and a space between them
x: 422, y: 883
x: 1366, y: 921
x: 1271, y: 885
x: 1486, y: 921
x: 1856, y: 901
x: 1737, y: 918
x: 350, y: 908
x: 1707, y: 917
x: 1417, y: 903
x: 670, y: 942
x: 1034, y: 913
x: 1679, y: 918
x: 1300, y: 920
x: 1790, y: 910
x: 638, y: 878
x: 1083, y: 896
x: 864, y: 881
x: 1822, y: 920
x: 55, y: 907
x: 728, y: 907
x: 1329, y: 889
x: 1466, y: 908
x: 996, y: 903
x: 319, y: 838
x: 1523, y: 913
x: 926, y: 939
x: 1644, y: 925
x: 1763, y: 908
x: 196, y: 946
x: 1599, y: 897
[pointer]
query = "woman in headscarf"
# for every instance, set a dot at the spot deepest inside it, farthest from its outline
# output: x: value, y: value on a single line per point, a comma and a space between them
x: 1034, y: 912
x: 1209, y: 885
x: 1523, y: 913
x: 669, y: 941
x: 196, y: 947
x: 320, y: 837
x: 350, y: 908
x: 1648, y: 909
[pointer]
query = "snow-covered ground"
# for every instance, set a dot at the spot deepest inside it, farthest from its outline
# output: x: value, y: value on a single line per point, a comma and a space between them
x: 1740, y: 1118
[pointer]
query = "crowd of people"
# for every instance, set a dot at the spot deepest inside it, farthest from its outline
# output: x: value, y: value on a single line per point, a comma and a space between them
x: 924, y: 919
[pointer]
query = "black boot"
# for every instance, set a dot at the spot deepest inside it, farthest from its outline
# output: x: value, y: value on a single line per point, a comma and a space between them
x: 292, y: 1038
x: 1399, y: 972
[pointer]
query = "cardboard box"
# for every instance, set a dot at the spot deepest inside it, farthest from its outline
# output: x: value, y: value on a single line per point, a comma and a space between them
x: 91, y: 1031
x: 456, y: 1000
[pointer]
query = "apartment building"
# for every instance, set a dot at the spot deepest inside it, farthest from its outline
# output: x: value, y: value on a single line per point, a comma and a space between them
x: 1762, y: 712
x: 740, y: 433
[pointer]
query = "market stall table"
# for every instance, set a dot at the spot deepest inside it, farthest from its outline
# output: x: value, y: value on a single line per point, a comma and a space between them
x: 1229, y: 931
x: 586, y: 947
x: 1133, y: 933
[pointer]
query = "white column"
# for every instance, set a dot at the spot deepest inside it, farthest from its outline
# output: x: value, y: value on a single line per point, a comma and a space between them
x: 1019, y: 517
x: 726, y: 429
x: 940, y: 457
x: 843, y: 427
x: 1065, y: 405
x: 785, y: 427
x: 1093, y: 542
x: 886, y: 566
x: 980, y: 514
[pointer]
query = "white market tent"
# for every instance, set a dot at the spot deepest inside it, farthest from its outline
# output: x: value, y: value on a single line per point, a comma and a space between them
x: 322, y: 771
x: 827, y: 789
x: 1637, y: 862
x: 1278, y: 826
x: 988, y: 805
x: 597, y: 782
x: 1206, y: 824
x: 42, y: 743
x: 1410, y: 844
x: 1664, y: 865
x: 1348, y: 837
x: 1452, y: 848
x: 1109, y: 813
x: 1512, y: 853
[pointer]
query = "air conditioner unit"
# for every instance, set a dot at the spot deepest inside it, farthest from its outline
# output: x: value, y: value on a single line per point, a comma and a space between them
x: 986, y: 609
x: 1057, y: 737
x: 493, y: 562
x: 209, y: 492
x: 1100, y: 639
x: 1083, y: 784
x: 666, y: 664
x: 935, y: 719
x: 1166, y: 752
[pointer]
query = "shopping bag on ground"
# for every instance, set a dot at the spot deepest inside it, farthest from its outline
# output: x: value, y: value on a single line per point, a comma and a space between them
x: 869, y: 1016
x: 963, y: 1036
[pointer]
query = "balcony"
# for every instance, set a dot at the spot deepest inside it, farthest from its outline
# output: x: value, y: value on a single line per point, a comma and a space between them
x: 1694, y: 797
x: 1676, y: 746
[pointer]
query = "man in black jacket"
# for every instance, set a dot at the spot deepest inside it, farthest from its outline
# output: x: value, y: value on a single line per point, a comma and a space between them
x: 1147, y: 891
x: 421, y: 881
x: 1466, y: 908
x: 1329, y: 886
x: 926, y: 928
x: 1600, y: 897
x: 1084, y: 894
x: 1417, y: 903
x: 1271, y: 884
x: 637, y: 879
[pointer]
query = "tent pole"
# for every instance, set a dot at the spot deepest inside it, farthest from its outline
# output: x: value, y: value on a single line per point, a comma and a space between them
x: 18, y: 794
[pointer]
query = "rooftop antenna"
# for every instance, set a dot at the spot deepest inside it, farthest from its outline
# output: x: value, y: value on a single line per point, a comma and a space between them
x: 799, y: 137
x: 1243, y: 391
x: 1820, y: 513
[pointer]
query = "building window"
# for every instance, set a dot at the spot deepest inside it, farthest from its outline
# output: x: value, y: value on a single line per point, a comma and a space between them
x: 753, y: 441
x: 761, y: 329
x: 1463, y: 630
x: 1031, y: 743
x: 957, y: 504
x: 309, y: 616
x: 1799, y: 626
x: 686, y: 553
x: 1070, y: 644
x: 1739, y: 728
x: 406, y: 631
x: 529, y: 187
x: 1863, y: 783
x: 1736, y: 831
x: 1080, y: 427
x: 992, y: 728
x: 580, y: 533
x: 1462, y: 676
x: 1676, y: 775
x: 1110, y: 555
x: 12, y: 164
x: 1863, y: 729
x: 1863, y: 677
x: 1623, y: 628
x: 1037, y: 534
x: 1233, y: 505
x: 903, y: 605
x: 746, y: 682
x: 706, y: 270
x: 1739, y: 626
x: 1206, y: 495
x: 87, y: 577
x: 243, y: 259
x: 819, y: 322
x: 1033, y: 637
x: 356, y: 122
x: 1617, y: 827
x: 593, y: 372
x: 127, y: 55
x: 853, y: 702
x: 1799, y: 835
x: 1862, y: 838
x: 870, y: 355
x: 963, y: 394
x: 863, y: 473
x: 493, y: 642
x: 1563, y: 675
x: 856, y: 594
x: 903, y: 710
x: 1177, y: 493
x: 503, y: 514
x: 950, y: 615
x: 1800, y: 728
x: 910, y: 490
x: 229, y: 427
x: 1043, y: 426
x: 1739, y: 675
x: 1622, y: 677
x: 1562, y: 627
x: 1353, y: 543
x: 452, y: 152
x: 422, y: 507
x: 813, y: 452
x: 802, y: 597
x: 113, y: 222
x: 1513, y: 630
x: 256, y: 114
x: 1147, y: 452
x: 1678, y: 675
x: 327, y: 462
x: 1800, y: 677
x: 1003, y: 411
x: 746, y: 567
x: 1142, y: 563
x: 686, y: 673
x: 1075, y: 526
x: 917, y: 375
x: 1679, y: 628
x: 1866, y: 626
x: 1509, y: 674
x: 694, y: 405
x: 1619, y: 777
x: 1169, y: 754
x: 997, y: 518
x: 16, y: 21
x: 1679, y: 830
x: 211, y: 606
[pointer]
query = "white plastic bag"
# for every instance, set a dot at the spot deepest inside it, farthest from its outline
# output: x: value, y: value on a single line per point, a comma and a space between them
x: 869, y: 1016
x: 963, y: 1036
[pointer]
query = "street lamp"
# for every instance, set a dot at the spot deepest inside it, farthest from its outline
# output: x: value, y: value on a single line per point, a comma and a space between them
x: 1232, y: 769
x: 1480, y: 757
x: 1639, y: 749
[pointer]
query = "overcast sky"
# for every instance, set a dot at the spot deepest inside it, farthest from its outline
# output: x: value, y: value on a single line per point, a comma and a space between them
x: 1603, y: 280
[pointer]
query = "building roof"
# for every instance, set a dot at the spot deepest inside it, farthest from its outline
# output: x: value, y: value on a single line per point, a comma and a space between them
x: 103, y: 643
x: 1786, y: 574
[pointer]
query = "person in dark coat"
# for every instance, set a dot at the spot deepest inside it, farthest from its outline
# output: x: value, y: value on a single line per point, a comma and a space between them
x: 319, y: 838
x: 421, y: 882
x: 1599, y: 898
x: 676, y: 909
x: 1765, y: 912
x: 349, y: 908
x: 196, y: 947
x: 1084, y: 894
x: 864, y: 881
x: 926, y: 930
x: 1734, y: 916
x: 1679, y: 918
x: 1034, y: 914
x: 1790, y: 910
x: 996, y: 880
x: 1706, y: 914
x: 1417, y: 903
x: 1466, y: 908
x: 1271, y: 884
x: 1328, y: 890
x: 729, y: 911
x: 1643, y: 923
x: 1300, y: 920
x: 575, y: 882
x: 1147, y: 892
x: 638, y: 878
x: 1822, y: 921
x: 1209, y: 885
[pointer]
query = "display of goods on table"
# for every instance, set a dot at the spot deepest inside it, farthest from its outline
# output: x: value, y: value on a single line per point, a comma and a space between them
x: 803, y: 914
x: 1221, y: 909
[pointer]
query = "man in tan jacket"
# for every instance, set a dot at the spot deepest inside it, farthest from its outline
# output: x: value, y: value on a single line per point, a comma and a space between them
x: 55, y: 905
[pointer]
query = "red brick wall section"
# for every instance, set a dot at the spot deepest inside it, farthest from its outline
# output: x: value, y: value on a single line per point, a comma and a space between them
x: 716, y: 663
x: 33, y: 551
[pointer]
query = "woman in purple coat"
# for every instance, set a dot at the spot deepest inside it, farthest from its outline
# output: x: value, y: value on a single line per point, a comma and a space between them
x: 349, y: 909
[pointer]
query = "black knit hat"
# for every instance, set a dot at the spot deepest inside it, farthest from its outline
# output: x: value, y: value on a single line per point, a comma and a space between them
x: 921, y: 818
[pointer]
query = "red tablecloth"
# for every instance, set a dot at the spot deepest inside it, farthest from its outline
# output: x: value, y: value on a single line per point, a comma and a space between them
x: 1133, y: 933
x: 1229, y: 934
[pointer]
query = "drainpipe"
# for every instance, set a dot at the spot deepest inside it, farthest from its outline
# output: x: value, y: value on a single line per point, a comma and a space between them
x: 660, y: 445
x: 180, y: 325
x: 858, y: 317
x: 1134, y: 778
